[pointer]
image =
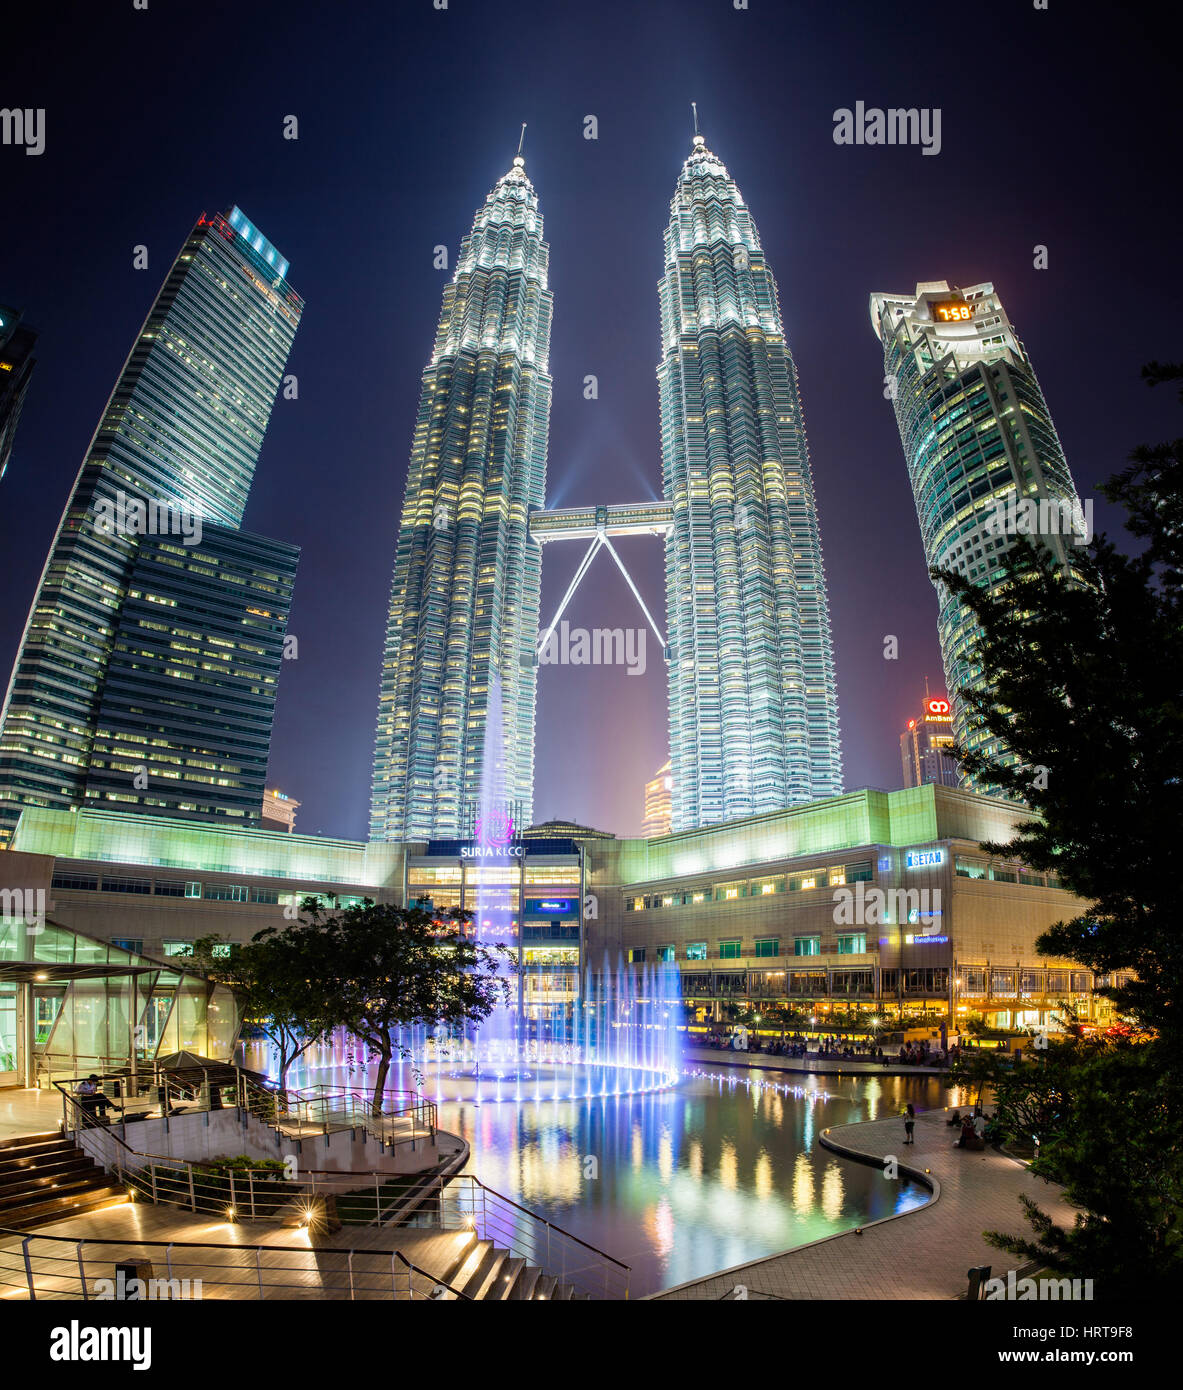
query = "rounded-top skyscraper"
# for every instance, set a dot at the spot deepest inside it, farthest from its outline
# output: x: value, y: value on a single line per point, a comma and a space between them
x: 467, y: 579
x: 752, y: 693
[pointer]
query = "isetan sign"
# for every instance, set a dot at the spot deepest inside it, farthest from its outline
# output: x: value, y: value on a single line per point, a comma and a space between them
x: 924, y: 858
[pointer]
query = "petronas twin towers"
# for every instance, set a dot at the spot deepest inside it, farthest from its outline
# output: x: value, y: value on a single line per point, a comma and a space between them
x: 752, y: 699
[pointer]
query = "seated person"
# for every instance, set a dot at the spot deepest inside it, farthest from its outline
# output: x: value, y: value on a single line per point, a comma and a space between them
x: 90, y: 1096
x: 954, y: 1118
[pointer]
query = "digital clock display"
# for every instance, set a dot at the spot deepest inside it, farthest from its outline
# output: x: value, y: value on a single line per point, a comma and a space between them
x: 951, y: 311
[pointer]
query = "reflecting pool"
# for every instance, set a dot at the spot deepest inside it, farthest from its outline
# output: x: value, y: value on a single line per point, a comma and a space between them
x: 723, y: 1168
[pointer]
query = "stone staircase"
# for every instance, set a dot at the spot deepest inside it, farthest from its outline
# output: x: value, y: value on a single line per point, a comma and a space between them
x: 44, y: 1177
x: 486, y: 1271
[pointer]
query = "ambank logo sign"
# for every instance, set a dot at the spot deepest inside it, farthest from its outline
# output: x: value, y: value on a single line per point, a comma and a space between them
x: 924, y: 858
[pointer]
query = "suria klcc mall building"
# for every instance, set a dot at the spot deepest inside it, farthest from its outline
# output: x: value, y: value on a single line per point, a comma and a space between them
x: 876, y: 903
x: 132, y: 813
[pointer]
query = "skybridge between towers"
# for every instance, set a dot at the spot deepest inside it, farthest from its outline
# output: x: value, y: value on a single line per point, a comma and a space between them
x: 599, y: 524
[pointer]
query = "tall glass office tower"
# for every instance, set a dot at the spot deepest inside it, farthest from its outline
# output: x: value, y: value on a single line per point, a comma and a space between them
x: 464, y: 602
x: 17, y: 341
x: 979, y: 444
x: 753, y: 707
x: 182, y: 430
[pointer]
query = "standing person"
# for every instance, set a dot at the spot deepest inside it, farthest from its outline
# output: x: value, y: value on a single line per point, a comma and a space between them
x: 909, y: 1123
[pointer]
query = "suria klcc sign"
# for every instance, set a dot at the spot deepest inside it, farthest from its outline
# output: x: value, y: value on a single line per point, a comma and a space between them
x: 494, y: 836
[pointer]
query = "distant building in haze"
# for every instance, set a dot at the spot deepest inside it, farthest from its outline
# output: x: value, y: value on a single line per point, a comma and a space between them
x: 926, y: 746
x: 279, y: 810
x: 659, y: 803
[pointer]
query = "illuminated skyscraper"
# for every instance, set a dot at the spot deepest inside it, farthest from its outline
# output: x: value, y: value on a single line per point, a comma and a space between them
x: 926, y: 746
x: 658, y: 803
x: 177, y: 444
x: 464, y: 604
x: 16, y: 367
x: 752, y: 694
x: 981, y: 451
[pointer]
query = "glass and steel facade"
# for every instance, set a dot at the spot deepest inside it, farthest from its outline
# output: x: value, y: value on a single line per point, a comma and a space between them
x: 875, y: 901
x: 17, y: 341
x: 71, y: 1004
x: 976, y: 431
x: 752, y: 696
x: 533, y: 895
x: 184, y: 724
x: 182, y: 429
x: 926, y: 746
x: 464, y: 602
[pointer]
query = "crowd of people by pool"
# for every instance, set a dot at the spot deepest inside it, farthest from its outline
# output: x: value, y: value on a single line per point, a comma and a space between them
x: 834, y: 1045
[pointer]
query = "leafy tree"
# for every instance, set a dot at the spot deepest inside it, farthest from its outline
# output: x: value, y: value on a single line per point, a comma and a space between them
x: 1118, y: 1150
x: 1031, y: 1097
x: 1086, y: 681
x: 277, y: 979
x: 389, y: 967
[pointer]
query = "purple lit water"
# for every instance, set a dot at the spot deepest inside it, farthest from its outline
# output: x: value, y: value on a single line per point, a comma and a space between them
x: 679, y: 1183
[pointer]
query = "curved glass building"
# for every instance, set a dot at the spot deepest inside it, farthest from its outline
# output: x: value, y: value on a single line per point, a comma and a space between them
x: 753, y: 709
x: 464, y: 602
x: 176, y: 446
x: 983, y: 456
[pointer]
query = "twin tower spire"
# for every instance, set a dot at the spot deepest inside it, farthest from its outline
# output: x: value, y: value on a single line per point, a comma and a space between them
x: 753, y: 718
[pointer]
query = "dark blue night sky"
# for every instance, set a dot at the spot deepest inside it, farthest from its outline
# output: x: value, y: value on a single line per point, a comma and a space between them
x: 1057, y: 129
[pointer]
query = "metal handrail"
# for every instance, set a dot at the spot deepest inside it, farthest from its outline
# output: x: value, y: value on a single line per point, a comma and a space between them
x: 534, y: 1232
x: 167, y: 1247
x: 340, y: 1108
x: 138, y: 1172
x: 487, y: 1215
x: 313, y: 1107
x: 533, y: 1215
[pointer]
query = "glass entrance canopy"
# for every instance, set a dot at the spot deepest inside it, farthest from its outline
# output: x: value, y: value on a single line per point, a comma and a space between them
x: 77, y: 1004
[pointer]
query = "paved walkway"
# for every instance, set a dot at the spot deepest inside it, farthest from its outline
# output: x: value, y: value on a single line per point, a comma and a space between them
x: 923, y: 1253
x: 29, y: 1112
x: 293, y: 1265
x: 812, y: 1065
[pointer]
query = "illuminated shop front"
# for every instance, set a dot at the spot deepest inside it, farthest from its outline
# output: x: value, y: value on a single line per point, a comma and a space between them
x: 526, y: 895
x: 875, y: 903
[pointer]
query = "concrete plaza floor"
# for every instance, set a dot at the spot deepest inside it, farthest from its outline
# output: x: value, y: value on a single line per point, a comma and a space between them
x: 923, y: 1253
x: 29, y: 1112
x: 355, y: 1262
